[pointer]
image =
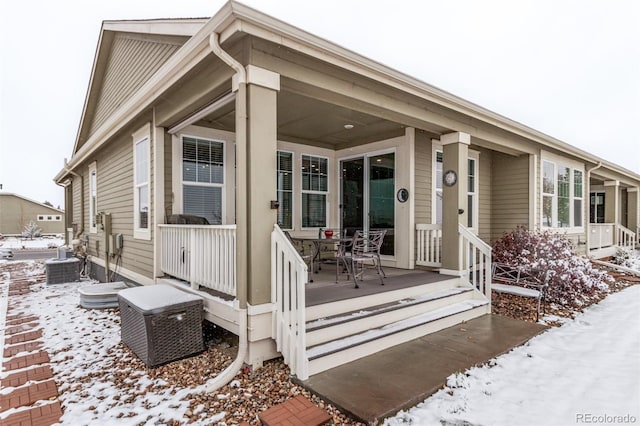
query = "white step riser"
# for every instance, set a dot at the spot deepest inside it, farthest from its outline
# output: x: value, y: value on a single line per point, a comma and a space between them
x: 355, y: 326
x: 349, y: 305
x: 319, y: 365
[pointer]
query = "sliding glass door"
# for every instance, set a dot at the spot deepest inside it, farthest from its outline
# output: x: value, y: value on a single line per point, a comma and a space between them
x: 368, y: 196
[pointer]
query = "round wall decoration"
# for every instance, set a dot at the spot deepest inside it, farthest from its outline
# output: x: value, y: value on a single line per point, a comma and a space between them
x: 450, y: 178
x: 402, y: 195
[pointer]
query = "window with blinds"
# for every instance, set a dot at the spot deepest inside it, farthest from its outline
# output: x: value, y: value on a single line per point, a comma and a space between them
x: 141, y: 188
x: 315, y: 183
x: 203, y: 178
x: 285, y: 189
x: 93, y: 197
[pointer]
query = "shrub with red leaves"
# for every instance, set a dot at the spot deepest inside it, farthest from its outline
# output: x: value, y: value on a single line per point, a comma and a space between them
x: 572, y: 278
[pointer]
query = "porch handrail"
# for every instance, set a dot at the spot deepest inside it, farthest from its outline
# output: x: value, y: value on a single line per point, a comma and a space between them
x: 429, y: 244
x: 289, y: 275
x: 475, y: 255
x: 203, y: 255
x: 626, y: 238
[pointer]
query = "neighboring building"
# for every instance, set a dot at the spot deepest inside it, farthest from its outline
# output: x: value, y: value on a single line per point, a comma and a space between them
x: 248, y: 122
x: 17, y: 211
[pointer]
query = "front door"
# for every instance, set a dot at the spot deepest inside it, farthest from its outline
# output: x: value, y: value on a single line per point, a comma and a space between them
x: 596, y: 210
x: 367, y: 196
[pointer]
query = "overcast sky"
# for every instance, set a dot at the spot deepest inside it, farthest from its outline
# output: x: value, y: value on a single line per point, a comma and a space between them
x: 570, y: 69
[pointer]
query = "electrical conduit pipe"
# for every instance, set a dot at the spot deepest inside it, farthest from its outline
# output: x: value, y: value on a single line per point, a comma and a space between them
x: 229, y: 373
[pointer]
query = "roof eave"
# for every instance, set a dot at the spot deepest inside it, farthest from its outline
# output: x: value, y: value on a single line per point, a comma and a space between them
x: 295, y: 38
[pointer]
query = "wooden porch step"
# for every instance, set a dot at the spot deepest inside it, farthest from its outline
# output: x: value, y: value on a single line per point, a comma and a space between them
x: 357, y: 299
x: 387, y: 307
x: 341, y: 351
x: 357, y: 321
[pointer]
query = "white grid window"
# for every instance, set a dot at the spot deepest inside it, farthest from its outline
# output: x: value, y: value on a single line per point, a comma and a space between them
x: 562, y: 195
x: 93, y: 197
x: 141, y: 186
x: 285, y: 189
x: 315, y: 183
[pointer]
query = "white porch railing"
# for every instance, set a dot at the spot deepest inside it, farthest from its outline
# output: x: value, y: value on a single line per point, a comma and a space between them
x: 475, y: 255
x: 288, y: 279
x: 203, y: 255
x: 626, y: 238
x: 429, y: 245
x: 601, y: 235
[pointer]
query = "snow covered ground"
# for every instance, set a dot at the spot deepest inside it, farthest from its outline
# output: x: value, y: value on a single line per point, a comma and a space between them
x: 86, y: 357
x: 42, y: 242
x: 587, y: 371
x: 588, y: 367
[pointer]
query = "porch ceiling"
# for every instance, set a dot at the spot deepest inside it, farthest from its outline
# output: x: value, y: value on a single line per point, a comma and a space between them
x: 311, y: 121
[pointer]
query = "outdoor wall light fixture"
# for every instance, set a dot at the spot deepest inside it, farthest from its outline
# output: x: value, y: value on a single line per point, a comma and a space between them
x: 348, y: 126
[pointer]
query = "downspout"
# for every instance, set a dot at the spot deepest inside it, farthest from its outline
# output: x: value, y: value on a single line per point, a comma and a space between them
x: 81, y: 227
x: 588, y: 240
x: 229, y: 373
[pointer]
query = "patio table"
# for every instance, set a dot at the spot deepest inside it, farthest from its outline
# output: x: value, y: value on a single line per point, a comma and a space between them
x: 317, y: 243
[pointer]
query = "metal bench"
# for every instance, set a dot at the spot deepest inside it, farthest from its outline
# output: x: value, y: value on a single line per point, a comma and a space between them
x: 522, y: 282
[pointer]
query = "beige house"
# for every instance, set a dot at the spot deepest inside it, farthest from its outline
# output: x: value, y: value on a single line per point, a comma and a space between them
x: 259, y: 127
x: 17, y: 211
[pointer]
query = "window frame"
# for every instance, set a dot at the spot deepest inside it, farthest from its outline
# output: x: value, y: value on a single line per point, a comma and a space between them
x: 475, y: 194
x: 316, y: 192
x: 559, y: 162
x: 93, y: 197
x: 141, y: 136
x: 293, y: 186
x: 222, y: 185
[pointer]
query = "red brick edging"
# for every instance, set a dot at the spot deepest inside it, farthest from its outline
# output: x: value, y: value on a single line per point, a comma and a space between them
x: 33, y: 382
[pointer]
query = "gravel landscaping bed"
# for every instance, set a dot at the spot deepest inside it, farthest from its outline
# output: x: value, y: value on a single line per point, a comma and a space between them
x: 102, y: 382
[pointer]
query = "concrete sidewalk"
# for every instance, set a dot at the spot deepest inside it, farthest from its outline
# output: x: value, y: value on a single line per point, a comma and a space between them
x: 380, y: 385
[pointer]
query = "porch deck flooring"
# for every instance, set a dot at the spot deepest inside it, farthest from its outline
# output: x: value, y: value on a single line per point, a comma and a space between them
x: 378, y: 386
x: 325, y: 289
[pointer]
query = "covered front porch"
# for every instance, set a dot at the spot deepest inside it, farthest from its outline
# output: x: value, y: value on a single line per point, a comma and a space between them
x: 613, y: 216
x: 274, y: 149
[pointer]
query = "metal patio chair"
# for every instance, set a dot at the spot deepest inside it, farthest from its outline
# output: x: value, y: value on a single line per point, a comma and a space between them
x: 363, y: 249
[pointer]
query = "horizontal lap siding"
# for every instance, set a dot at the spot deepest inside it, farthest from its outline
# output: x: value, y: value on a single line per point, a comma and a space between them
x: 484, y: 201
x: 115, y: 195
x: 510, y: 193
x: 422, y: 179
x: 133, y: 60
x: 76, y: 190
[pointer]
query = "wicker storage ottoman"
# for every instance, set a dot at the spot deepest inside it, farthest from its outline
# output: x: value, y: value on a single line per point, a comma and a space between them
x: 160, y: 323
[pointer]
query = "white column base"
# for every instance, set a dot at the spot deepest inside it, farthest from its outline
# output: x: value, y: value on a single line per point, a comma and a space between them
x: 452, y: 272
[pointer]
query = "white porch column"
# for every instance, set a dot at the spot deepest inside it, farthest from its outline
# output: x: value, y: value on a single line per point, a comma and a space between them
x: 612, y: 201
x: 259, y: 186
x: 455, y: 166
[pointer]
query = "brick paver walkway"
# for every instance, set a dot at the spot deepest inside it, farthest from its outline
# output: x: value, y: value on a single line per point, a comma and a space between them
x: 298, y: 411
x: 28, y: 394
